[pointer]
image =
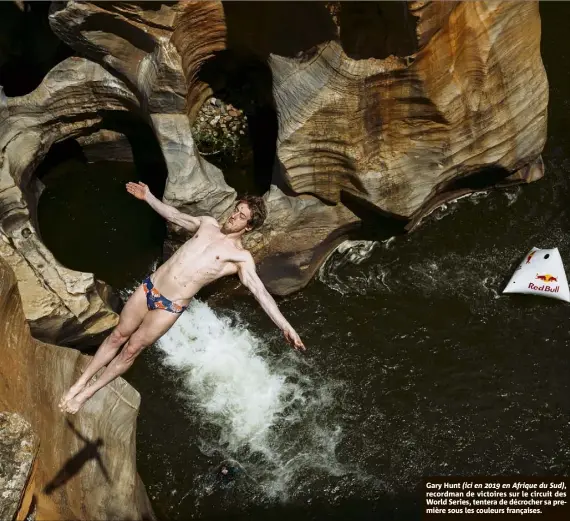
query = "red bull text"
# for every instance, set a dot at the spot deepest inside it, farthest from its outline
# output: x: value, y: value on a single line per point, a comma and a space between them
x: 544, y: 287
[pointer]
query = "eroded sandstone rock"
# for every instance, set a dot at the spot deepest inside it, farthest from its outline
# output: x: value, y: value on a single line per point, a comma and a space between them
x: 382, y: 107
x: 86, y: 463
x: 18, y: 451
x: 62, y: 305
x: 133, y: 41
x: 385, y: 106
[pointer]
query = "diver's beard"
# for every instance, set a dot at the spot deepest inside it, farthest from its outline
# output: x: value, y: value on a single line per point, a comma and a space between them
x: 227, y: 229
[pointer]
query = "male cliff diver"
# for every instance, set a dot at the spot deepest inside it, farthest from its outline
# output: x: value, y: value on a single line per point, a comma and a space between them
x: 213, y: 252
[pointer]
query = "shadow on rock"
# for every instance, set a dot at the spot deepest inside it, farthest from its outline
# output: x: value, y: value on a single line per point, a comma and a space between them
x: 73, y: 465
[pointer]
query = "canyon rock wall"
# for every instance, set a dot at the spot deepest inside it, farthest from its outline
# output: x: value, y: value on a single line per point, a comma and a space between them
x: 86, y: 464
x: 384, y: 109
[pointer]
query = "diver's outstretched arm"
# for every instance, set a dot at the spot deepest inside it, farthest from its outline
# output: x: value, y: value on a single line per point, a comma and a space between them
x: 142, y: 192
x: 250, y: 279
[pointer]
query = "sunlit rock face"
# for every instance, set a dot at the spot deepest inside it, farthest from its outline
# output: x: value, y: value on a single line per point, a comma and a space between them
x: 62, y: 305
x: 85, y: 467
x: 382, y: 108
x: 397, y: 122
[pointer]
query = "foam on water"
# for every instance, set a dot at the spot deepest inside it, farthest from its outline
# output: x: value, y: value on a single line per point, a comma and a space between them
x: 268, y: 413
x: 426, y: 276
x: 228, y: 380
x: 348, y: 252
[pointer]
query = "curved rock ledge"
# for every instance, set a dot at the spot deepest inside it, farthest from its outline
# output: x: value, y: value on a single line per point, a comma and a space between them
x: 62, y: 305
x: 86, y: 463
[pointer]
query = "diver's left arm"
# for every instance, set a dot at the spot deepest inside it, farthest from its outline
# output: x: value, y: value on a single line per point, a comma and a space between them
x: 250, y: 279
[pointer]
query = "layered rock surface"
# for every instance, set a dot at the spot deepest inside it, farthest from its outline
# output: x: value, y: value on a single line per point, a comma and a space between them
x: 85, y: 466
x: 400, y: 133
x: 18, y: 450
x: 62, y: 305
x: 383, y: 108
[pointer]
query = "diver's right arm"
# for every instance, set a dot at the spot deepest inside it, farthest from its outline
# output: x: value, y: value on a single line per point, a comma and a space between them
x: 141, y: 191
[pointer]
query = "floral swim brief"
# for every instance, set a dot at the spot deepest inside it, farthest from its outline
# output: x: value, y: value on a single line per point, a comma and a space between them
x: 154, y: 300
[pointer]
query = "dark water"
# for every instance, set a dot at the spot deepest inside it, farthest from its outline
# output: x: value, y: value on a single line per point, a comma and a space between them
x: 415, y: 365
x: 90, y: 222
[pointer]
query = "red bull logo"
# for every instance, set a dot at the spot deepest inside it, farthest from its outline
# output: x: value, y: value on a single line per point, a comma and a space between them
x: 544, y: 287
x: 547, y: 277
x: 530, y: 256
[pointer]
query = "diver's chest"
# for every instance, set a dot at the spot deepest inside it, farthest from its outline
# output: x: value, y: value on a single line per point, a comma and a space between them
x: 217, y: 251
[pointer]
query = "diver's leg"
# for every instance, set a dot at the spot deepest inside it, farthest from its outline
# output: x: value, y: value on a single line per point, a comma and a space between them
x: 154, y: 325
x: 130, y: 319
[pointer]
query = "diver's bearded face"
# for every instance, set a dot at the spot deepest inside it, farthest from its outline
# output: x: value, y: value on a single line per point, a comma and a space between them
x: 238, y: 220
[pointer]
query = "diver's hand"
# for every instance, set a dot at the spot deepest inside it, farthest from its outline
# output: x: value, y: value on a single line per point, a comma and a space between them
x: 293, y: 338
x: 139, y: 190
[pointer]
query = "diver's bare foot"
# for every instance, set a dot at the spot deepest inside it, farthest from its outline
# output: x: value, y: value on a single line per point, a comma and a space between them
x: 73, y: 405
x: 73, y: 391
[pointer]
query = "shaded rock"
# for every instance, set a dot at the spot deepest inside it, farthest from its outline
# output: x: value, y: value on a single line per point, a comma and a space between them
x: 106, y: 145
x: 86, y: 463
x: 28, y: 47
x: 18, y: 451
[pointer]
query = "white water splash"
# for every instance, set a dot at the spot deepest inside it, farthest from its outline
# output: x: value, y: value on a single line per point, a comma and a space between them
x: 512, y: 195
x: 348, y: 252
x: 228, y: 379
x: 261, y: 405
x: 357, y: 251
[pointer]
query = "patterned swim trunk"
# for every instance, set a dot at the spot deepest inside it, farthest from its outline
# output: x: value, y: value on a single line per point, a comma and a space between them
x: 154, y: 300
